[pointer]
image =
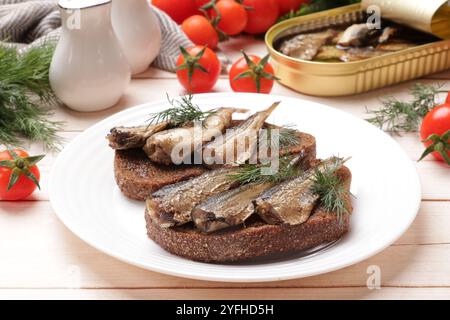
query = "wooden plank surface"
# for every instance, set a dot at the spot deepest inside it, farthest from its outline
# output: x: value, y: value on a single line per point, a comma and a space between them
x: 40, y: 258
x: 419, y: 258
x: 231, y: 294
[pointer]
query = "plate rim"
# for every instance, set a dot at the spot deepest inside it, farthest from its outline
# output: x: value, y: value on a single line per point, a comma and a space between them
x: 256, y: 279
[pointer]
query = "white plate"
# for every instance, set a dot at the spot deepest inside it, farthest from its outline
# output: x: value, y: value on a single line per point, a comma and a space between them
x: 85, y: 196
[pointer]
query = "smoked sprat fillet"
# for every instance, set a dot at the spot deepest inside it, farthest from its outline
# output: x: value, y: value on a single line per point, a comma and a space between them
x: 228, y: 209
x: 159, y: 147
x: 123, y: 138
x: 174, y: 203
x: 292, y: 202
x: 247, y: 133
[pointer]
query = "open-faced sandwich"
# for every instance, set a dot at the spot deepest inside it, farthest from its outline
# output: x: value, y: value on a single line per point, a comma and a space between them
x: 224, y: 190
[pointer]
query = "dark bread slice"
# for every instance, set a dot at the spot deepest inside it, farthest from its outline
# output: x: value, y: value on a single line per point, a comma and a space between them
x: 138, y: 177
x: 255, y: 239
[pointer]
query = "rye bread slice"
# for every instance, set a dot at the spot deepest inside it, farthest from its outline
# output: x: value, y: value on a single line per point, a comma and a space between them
x: 254, y: 240
x: 138, y: 177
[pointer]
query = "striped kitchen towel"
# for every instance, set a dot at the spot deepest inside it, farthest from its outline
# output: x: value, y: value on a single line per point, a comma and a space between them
x: 27, y: 23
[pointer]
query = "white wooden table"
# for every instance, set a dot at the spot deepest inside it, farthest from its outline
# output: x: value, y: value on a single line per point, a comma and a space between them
x: 40, y: 258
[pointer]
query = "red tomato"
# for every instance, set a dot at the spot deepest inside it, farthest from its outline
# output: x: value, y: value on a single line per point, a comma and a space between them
x: 262, y: 15
x: 201, y: 3
x: 178, y: 10
x: 204, y: 67
x: 233, y: 17
x: 437, y: 122
x: 200, y: 31
x: 248, y: 71
x: 24, y: 186
x: 287, y: 6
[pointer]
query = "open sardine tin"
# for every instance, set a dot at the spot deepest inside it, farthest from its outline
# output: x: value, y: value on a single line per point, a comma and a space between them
x: 348, y: 78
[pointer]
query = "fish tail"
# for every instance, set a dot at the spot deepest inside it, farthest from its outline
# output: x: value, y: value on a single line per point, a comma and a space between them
x: 273, y: 107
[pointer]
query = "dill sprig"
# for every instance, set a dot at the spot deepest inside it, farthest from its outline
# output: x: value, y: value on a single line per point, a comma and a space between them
x: 331, y: 188
x: 26, y: 97
x: 254, y: 173
x: 181, y: 113
x: 406, y: 116
x: 287, y: 136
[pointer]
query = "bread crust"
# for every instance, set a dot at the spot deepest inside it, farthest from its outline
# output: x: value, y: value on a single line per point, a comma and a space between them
x: 254, y: 240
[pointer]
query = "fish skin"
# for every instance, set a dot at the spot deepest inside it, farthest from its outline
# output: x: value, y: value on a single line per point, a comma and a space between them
x: 356, y: 35
x: 292, y: 201
x: 217, y: 148
x: 175, y: 202
x: 387, y: 34
x: 305, y: 46
x: 357, y: 54
x: 123, y: 138
x: 327, y: 53
x: 159, y: 147
x: 228, y: 209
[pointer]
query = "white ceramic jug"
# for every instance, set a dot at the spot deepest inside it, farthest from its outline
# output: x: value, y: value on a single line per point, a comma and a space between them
x: 138, y: 31
x: 89, y: 71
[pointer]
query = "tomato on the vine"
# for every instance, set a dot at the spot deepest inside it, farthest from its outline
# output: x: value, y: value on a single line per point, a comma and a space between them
x: 262, y: 14
x: 19, y: 175
x: 435, y: 132
x: 200, y: 31
x: 252, y: 74
x: 198, y: 69
x: 233, y: 16
x: 287, y: 6
x: 178, y: 10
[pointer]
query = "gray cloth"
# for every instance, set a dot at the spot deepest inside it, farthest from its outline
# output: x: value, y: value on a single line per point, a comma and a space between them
x: 27, y: 23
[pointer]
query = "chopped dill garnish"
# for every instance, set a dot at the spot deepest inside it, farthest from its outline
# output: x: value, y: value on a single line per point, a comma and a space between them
x: 181, y: 113
x: 406, y: 116
x: 255, y: 173
x: 331, y: 189
x: 26, y: 98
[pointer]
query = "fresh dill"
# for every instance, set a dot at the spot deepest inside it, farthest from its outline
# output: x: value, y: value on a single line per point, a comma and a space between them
x: 287, y: 136
x: 332, y: 191
x: 26, y: 98
x: 397, y: 116
x: 181, y: 112
x: 261, y: 173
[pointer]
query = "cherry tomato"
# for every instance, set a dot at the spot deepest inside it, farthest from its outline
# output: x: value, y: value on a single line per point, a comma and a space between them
x: 233, y: 17
x: 252, y: 74
x: 200, y: 31
x: 178, y: 10
x: 198, y: 69
x: 261, y: 16
x: 435, y: 126
x: 24, y: 168
x: 201, y: 3
x: 287, y: 6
